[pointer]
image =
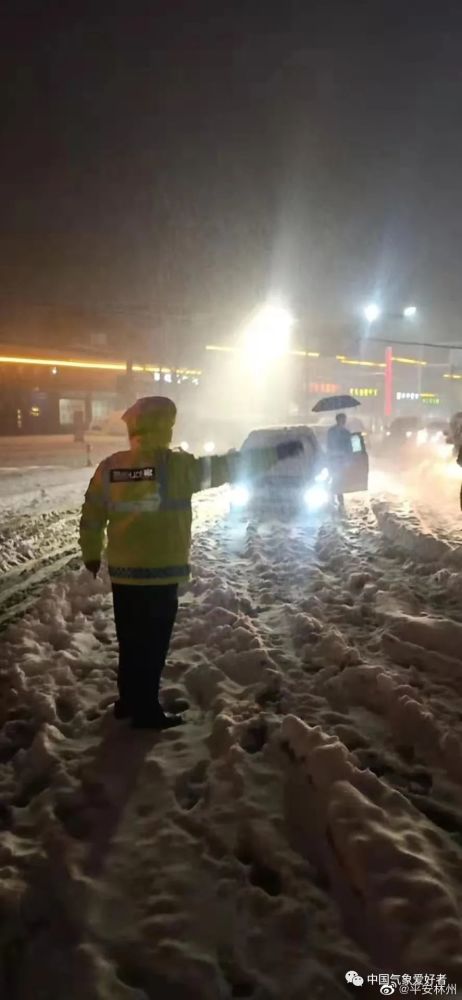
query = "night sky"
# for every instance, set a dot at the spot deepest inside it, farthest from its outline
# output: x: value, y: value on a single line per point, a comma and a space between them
x: 179, y: 159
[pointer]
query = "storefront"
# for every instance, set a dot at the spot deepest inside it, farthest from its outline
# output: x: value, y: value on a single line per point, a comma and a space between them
x: 48, y: 395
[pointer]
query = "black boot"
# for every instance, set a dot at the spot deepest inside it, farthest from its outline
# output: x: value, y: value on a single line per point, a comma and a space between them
x: 121, y: 710
x: 156, y: 720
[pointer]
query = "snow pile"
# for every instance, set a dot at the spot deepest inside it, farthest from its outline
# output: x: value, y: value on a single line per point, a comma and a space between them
x: 438, y: 635
x: 319, y: 645
x: 408, y: 713
x: 396, y: 643
x: 409, y: 534
x: 55, y: 658
x: 383, y: 861
x: 14, y: 552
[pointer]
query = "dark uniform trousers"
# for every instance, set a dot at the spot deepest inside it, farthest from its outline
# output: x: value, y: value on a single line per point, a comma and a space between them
x: 144, y: 620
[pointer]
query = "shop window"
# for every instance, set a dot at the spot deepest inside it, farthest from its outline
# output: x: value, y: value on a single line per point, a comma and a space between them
x: 68, y: 409
x: 101, y: 408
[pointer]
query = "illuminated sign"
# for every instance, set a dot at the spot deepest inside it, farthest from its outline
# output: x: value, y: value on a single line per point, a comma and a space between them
x: 430, y: 398
x: 325, y: 388
x: 364, y: 392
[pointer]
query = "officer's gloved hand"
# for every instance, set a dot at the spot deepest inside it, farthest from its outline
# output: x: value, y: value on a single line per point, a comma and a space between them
x: 288, y: 449
x: 93, y: 566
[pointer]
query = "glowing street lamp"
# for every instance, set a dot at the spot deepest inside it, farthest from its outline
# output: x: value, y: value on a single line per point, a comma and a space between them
x: 372, y: 312
x: 266, y: 336
x: 409, y: 312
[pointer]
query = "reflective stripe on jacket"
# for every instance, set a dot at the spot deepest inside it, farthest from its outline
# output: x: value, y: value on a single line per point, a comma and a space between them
x: 145, y: 504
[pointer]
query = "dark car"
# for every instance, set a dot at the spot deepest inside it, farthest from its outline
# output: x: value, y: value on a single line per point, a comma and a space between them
x: 403, y: 429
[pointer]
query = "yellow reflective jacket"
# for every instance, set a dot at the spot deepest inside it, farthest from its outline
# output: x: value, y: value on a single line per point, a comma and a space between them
x: 144, y: 500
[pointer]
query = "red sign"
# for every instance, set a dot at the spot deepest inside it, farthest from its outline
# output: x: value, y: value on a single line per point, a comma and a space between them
x: 323, y: 388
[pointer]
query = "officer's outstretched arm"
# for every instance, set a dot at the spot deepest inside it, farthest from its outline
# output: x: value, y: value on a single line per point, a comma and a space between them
x: 94, y: 517
x: 237, y: 465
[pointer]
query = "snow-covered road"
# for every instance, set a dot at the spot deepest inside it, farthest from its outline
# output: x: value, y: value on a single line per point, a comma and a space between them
x: 306, y: 821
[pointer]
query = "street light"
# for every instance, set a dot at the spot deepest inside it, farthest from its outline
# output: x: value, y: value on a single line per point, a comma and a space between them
x: 372, y: 312
x: 266, y: 336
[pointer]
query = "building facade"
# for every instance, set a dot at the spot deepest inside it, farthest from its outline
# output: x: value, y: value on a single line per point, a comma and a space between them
x: 49, y: 392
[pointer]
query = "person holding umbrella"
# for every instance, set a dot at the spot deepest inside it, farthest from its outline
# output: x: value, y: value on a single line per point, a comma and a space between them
x: 339, y: 446
x: 338, y: 451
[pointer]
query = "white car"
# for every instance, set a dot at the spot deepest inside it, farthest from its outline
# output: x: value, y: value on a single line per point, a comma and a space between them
x: 300, y: 482
x: 290, y: 483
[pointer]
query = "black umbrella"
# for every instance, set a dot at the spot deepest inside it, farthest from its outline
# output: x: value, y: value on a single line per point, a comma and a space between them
x: 335, y: 403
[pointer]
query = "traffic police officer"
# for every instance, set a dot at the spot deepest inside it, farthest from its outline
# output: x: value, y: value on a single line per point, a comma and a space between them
x: 143, y: 497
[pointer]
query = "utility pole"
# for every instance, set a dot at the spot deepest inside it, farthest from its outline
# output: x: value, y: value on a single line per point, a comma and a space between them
x: 388, y: 407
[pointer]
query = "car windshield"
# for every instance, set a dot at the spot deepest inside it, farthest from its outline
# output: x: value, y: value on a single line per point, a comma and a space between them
x: 271, y: 437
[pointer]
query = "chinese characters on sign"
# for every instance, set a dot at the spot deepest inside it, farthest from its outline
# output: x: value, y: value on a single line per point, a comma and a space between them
x: 324, y: 388
x: 364, y: 392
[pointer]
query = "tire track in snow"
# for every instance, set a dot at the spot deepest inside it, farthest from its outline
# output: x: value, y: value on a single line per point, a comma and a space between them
x: 33, y: 551
x: 15, y: 601
x: 31, y: 558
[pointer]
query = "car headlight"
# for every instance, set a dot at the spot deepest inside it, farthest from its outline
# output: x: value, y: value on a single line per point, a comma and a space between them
x: 422, y: 436
x: 209, y: 447
x: 316, y: 497
x: 322, y: 476
x: 240, y: 496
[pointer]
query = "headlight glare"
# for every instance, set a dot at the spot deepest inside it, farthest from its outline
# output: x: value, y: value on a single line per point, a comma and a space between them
x: 240, y: 495
x: 316, y: 497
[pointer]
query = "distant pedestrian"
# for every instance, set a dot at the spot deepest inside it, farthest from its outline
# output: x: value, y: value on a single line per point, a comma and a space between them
x: 78, y: 424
